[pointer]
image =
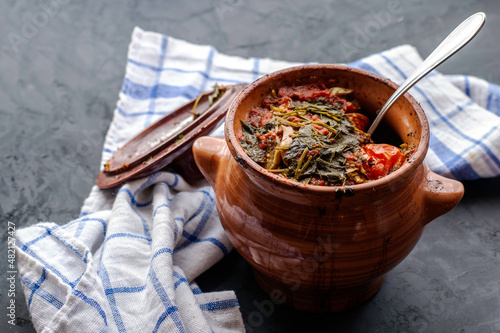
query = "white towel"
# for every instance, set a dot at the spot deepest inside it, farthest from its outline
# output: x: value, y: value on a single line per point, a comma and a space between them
x: 128, y: 264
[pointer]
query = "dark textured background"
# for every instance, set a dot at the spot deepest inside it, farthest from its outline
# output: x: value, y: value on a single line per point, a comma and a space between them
x: 60, y: 82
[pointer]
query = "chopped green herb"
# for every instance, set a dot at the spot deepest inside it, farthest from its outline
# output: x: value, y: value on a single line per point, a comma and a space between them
x: 310, y: 134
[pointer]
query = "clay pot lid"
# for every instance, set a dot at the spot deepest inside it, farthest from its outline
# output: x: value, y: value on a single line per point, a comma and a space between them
x: 170, y: 137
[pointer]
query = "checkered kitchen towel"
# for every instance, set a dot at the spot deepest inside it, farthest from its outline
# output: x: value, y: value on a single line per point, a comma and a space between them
x: 129, y: 262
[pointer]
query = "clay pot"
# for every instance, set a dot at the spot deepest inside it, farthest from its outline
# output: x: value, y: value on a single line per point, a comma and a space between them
x: 324, y: 248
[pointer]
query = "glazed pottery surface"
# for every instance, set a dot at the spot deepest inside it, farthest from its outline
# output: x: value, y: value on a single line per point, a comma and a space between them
x: 324, y: 248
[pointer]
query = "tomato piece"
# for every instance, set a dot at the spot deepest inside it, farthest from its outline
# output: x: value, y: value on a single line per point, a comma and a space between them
x: 321, y: 129
x: 380, y: 159
x: 313, y: 117
x: 264, y: 138
x: 258, y: 117
x: 359, y: 120
x: 350, y: 107
x: 307, y: 92
x: 271, y: 100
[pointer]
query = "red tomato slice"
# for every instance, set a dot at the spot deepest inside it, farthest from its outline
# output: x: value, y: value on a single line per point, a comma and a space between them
x: 359, y: 120
x: 381, y: 158
x: 349, y: 107
x: 258, y: 117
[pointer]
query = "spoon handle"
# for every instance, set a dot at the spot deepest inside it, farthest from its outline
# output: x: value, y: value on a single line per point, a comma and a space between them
x: 457, y: 39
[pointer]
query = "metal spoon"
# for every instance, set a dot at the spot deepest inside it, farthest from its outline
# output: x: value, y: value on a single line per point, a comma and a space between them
x: 457, y: 39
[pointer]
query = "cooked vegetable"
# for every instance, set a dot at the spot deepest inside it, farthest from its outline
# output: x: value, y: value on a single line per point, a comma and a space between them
x: 315, y: 135
x: 214, y: 97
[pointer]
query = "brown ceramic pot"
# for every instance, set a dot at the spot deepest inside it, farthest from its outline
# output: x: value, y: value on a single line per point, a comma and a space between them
x: 324, y: 248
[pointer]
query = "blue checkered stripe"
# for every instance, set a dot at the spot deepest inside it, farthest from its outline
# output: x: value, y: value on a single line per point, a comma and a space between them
x: 129, y: 260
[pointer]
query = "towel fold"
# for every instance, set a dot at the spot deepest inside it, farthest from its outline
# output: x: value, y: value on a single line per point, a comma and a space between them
x: 129, y: 262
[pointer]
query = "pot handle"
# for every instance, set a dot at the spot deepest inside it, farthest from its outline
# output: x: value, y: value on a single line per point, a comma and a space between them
x: 208, y: 153
x: 440, y: 195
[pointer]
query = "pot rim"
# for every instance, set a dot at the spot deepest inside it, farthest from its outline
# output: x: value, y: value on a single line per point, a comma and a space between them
x: 247, y: 163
